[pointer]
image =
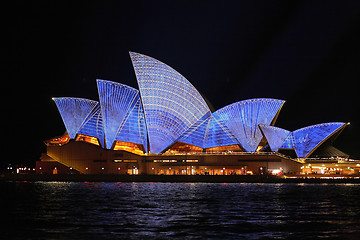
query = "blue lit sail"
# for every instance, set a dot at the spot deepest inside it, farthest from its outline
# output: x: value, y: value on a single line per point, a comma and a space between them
x: 171, y: 103
x: 73, y: 112
x: 304, y: 141
x: 275, y: 136
x: 94, y: 125
x: 218, y: 133
x: 133, y: 128
x: 242, y: 118
x: 197, y: 133
x: 289, y: 142
x: 116, y: 101
x: 307, y: 139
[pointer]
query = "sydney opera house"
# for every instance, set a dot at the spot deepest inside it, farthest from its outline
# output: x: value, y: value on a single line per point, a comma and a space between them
x: 166, y: 127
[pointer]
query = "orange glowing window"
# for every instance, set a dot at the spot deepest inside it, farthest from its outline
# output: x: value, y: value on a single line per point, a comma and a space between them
x: 58, y: 141
x: 229, y: 148
x: 88, y: 139
x: 181, y: 147
x: 129, y: 147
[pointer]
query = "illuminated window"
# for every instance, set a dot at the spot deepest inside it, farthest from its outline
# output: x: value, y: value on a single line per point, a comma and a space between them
x: 133, y: 171
x: 88, y: 139
x: 222, y: 149
x: 130, y: 147
x: 131, y: 160
x: 58, y: 141
x: 184, y: 148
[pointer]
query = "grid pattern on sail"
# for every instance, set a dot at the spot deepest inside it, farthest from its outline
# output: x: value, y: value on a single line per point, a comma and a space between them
x: 196, y: 134
x: 309, y: 138
x: 275, y: 136
x: 94, y: 126
x: 242, y: 118
x: 171, y: 103
x: 218, y: 133
x: 116, y: 100
x: 208, y: 132
x: 133, y: 128
x: 73, y: 112
x: 289, y: 142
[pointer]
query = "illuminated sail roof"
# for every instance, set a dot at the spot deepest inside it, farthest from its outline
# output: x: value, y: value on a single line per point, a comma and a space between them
x: 218, y: 133
x: 242, y: 118
x: 133, y: 128
x: 307, y: 139
x: 289, y: 142
x: 117, y: 102
x: 93, y: 125
x: 171, y: 103
x: 196, y: 134
x: 74, y: 112
x: 304, y: 140
x: 275, y: 136
x: 208, y: 132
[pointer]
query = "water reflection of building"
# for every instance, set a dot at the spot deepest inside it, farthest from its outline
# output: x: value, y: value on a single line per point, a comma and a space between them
x: 166, y: 127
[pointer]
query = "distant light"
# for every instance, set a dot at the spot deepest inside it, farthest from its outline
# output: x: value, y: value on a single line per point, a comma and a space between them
x: 276, y: 171
x: 102, y: 168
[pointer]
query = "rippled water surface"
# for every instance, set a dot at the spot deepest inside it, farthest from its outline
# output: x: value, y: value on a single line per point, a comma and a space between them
x: 62, y: 210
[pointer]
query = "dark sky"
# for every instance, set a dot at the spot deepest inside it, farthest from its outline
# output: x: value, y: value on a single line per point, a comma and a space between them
x: 305, y: 52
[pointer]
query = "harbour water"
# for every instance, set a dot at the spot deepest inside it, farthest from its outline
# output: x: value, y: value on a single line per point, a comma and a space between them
x: 82, y: 210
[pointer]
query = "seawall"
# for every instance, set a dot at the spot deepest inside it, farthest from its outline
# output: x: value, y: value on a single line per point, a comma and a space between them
x: 172, y: 178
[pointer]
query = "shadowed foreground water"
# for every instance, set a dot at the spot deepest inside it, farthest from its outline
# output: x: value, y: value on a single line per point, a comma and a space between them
x: 63, y: 210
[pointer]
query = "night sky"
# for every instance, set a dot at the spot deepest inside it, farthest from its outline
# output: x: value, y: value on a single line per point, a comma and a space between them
x: 304, y: 52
